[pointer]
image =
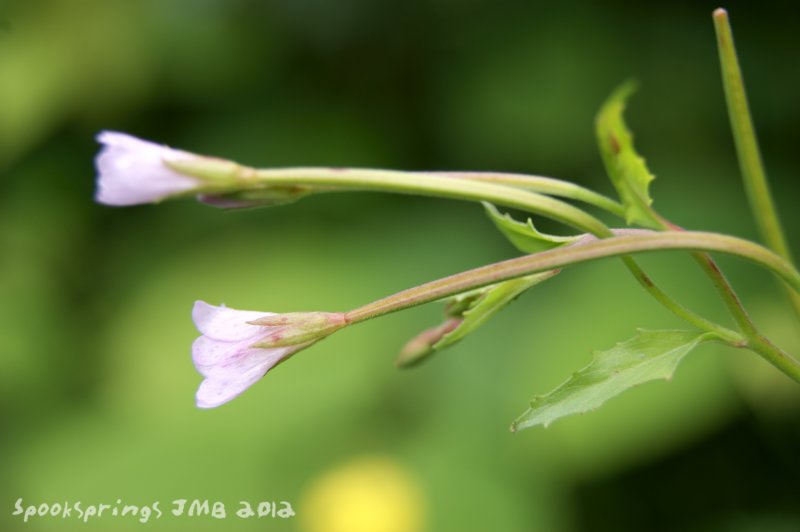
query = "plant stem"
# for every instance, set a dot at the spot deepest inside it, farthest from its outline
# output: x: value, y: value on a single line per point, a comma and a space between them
x: 430, y: 184
x: 459, y: 185
x: 436, y: 185
x: 721, y: 284
x: 544, y: 185
x: 754, y: 339
x: 775, y: 356
x: 586, y: 249
x: 750, y: 163
x: 666, y: 301
x: 726, y: 291
x: 485, y: 187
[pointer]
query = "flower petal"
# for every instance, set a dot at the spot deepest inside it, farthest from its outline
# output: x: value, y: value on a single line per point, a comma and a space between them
x: 223, y: 323
x: 208, y: 352
x: 132, y: 171
x: 231, y: 368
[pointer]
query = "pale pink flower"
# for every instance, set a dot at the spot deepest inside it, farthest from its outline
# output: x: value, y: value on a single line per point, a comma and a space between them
x: 225, y: 355
x: 132, y: 171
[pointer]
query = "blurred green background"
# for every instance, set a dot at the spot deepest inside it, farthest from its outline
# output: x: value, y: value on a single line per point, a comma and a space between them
x: 96, y: 380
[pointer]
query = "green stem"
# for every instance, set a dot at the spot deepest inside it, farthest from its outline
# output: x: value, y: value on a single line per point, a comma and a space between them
x: 429, y: 184
x: 666, y: 301
x: 587, y: 249
x: 475, y: 187
x: 720, y: 282
x: 751, y: 337
x: 544, y: 185
x: 754, y: 339
x: 726, y: 291
x: 775, y: 356
x: 435, y: 185
x: 752, y: 168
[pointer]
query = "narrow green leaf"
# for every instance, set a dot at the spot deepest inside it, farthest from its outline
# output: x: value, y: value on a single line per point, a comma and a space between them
x: 491, y: 301
x: 524, y: 236
x: 626, y: 168
x: 465, y: 313
x: 648, y: 356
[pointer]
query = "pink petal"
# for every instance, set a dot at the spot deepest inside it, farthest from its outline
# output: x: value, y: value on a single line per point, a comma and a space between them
x: 223, y: 323
x: 132, y: 171
x: 236, y: 368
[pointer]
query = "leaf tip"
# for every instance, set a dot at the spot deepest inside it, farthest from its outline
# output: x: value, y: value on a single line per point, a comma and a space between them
x: 623, y: 92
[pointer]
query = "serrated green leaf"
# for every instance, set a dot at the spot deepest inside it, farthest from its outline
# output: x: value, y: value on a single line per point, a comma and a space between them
x: 524, y: 236
x: 465, y: 313
x: 626, y: 168
x: 648, y: 356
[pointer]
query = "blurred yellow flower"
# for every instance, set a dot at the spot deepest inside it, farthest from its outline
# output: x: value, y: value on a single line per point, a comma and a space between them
x: 368, y: 494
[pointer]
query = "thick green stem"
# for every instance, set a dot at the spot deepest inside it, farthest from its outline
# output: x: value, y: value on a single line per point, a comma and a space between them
x: 752, y: 168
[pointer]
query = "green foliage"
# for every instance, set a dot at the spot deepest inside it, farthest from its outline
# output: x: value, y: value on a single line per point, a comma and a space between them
x: 492, y: 300
x: 465, y: 313
x: 626, y: 168
x: 648, y: 356
x: 524, y: 236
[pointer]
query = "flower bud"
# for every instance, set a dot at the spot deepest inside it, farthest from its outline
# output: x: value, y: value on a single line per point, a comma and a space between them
x: 422, y: 346
x: 464, y: 313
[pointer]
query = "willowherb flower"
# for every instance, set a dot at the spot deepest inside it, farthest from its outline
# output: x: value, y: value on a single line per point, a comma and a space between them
x: 133, y: 171
x: 238, y: 347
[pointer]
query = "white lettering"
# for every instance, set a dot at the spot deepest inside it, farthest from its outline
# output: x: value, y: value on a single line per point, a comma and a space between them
x: 218, y: 510
x: 286, y: 511
x: 147, y: 512
x: 245, y: 510
x: 264, y: 507
x: 91, y: 511
x: 179, y: 504
x: 198, y: 508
